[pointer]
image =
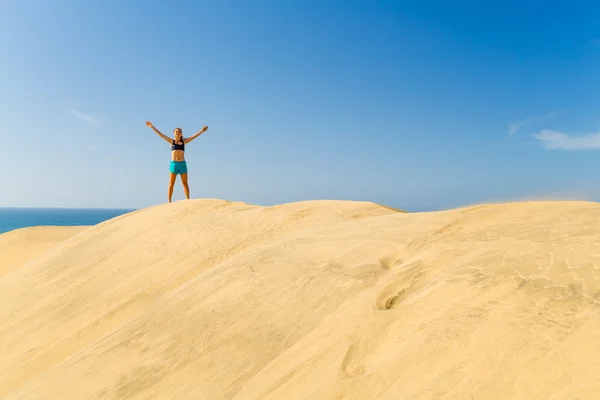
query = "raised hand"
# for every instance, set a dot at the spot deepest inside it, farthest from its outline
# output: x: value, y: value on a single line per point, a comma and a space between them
x: 149, y: 124
x: 205, y: 128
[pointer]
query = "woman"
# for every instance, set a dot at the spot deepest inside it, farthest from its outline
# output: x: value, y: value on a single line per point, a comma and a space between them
x: 178, y: 164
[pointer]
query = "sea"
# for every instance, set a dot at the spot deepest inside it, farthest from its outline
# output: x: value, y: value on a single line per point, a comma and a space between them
x: 15, y: 218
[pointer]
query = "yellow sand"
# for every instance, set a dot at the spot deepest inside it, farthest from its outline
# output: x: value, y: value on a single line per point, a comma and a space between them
x: 208, y: 299
x: 23, y: 245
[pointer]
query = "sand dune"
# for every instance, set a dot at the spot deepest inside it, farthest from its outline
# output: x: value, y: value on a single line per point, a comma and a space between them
x: 22, y: 245
x: 208, y: 299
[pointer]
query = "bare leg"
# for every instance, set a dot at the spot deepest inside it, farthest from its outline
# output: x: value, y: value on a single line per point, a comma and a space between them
x: 171, y: 184
x: 186, y: 187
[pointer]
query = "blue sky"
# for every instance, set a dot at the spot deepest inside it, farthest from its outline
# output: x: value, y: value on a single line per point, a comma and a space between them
x: 412, y: 105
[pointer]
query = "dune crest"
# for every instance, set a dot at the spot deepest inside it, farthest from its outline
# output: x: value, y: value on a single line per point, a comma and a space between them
x: 322, y: 299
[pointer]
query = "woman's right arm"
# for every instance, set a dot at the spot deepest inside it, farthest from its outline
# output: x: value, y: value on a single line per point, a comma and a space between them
x: 159, y: 133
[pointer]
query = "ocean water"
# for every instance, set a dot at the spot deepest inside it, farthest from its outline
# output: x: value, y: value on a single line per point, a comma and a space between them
x: 14, y: 218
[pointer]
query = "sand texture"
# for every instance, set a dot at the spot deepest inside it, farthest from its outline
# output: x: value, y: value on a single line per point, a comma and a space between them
x: 209, y: 299
x: 23, y: 245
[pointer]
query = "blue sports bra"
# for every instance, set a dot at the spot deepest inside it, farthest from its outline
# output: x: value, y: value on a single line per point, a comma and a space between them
x: 176, y: 146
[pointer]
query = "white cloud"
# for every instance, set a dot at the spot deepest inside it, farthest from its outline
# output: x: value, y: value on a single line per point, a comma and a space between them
x: 554, y: 140
x: 86, y: 117
x: 513, y: 128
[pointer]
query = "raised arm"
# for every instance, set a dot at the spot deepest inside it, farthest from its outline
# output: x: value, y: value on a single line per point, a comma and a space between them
x: 159, y: 133
x: 194, y: 136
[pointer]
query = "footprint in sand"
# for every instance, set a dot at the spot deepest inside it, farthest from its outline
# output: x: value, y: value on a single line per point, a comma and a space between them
x: 396, y: 292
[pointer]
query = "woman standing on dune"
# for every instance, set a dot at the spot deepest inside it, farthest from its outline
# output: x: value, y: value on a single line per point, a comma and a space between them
x: 178, y: 164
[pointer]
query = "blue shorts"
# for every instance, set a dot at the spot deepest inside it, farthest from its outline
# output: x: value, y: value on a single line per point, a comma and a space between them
x: 178, y: 167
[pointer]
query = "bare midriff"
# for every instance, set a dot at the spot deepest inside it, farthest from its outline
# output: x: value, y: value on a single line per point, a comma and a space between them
x: 177, y: 155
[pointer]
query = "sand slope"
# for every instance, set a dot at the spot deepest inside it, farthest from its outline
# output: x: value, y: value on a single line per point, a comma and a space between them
x: 22, y: 245
x: 209, y: 299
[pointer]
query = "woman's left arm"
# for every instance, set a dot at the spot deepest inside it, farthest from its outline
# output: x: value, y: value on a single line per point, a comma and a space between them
x: 194, y: 136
